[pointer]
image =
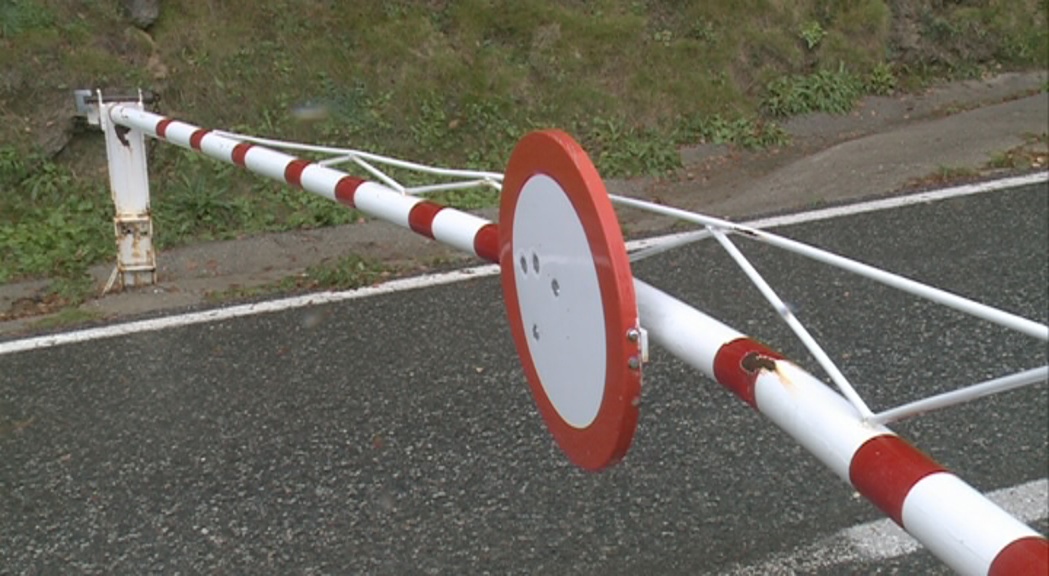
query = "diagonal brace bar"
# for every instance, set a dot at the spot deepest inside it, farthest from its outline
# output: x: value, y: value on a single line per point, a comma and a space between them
x: 802, y: 333
x: 962, y: 304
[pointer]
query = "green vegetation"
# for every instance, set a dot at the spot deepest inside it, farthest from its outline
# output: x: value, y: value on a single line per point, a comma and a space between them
x: 67, y: 317
x: 881, y: 81
x: 1033, y: 153
x: 55, y: 224
x: 197, y: 203
x: 453, y: 83
x: 18, y: 16
x: 822, y: 91
x: 343, y: 273
x: 812, y: 33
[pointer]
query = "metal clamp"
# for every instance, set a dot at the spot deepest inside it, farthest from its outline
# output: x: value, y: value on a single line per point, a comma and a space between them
x: 88, y: 102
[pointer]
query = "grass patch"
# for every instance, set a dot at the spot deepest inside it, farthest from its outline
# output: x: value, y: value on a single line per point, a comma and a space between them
x: 1033, y: 154
x: 954, y: 173
x: 945, y: 176
x: 962, y: 40
x: 19, y: 16
x: 209, y: 200
x: 51, y: 223
x: 620, y: 149
x: 881, y: 81
x: 742, y: 131
x: 345, y: 273
x: 67, y: 317
x: 834, y: 91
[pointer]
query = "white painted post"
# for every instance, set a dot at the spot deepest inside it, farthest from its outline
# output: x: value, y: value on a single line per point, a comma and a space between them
x: 129, y: 184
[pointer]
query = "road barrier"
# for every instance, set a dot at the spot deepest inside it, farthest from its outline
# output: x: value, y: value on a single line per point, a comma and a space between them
x: 581, y: 321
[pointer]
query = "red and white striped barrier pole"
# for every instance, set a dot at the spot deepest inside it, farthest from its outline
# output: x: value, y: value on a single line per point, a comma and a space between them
x: 955, y: 522
x: 455, y: 228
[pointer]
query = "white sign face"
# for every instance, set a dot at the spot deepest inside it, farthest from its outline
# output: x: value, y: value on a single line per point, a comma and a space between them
x: 569, y: 297
x: 560, y: 300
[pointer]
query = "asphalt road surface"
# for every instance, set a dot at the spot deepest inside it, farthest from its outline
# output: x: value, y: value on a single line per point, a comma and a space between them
x: 396, y: 435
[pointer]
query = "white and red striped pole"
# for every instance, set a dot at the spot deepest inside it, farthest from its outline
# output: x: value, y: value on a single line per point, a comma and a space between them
x: 455, y: 228
x: 955, y: 522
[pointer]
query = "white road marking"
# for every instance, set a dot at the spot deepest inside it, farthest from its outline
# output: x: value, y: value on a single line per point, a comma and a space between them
x: 900, y: 201
x: 883, y: 539
x: 926, y: 197
x: 229, y: 312
x: 219, y: 314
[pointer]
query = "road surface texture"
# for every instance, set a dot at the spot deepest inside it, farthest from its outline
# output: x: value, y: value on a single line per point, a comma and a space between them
x: 396, y: 435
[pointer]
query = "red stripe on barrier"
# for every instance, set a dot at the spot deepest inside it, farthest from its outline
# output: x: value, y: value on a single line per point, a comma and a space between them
x: 738, y: 364
x: 240, y: 152
x: 885, y: 469
x: 486, y: 243
x: 346, y: 188
x: 293, y: 172
x: 421, y: 216
x: 162, y: 127
x: 1026, y: 556
x: 196, y: 137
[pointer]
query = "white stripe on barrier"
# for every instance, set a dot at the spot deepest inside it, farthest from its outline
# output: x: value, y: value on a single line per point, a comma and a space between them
x: 269, y: 163
x: 385, y: 204
x: 814, y: 415
x: 699, y: 337
x: 958, y: 524
x: 216, y: 146
x: 179, y: 133
x: 321, y: 180
x: 457, y: 229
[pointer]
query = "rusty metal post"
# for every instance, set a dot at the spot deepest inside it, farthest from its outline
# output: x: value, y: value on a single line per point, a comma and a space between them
x: 129, y: 184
